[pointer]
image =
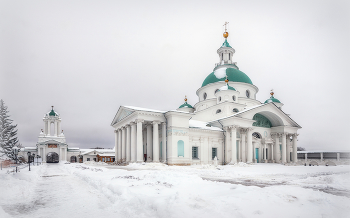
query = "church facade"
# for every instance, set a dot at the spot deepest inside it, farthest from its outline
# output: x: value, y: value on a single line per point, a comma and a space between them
x: 227, y: 125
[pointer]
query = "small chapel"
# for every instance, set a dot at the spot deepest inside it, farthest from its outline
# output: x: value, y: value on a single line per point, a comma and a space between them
x: 227, y: 125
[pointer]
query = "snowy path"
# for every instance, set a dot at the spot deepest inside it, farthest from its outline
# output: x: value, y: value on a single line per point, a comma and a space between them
x: 57, y: 192
x: 157, y: 190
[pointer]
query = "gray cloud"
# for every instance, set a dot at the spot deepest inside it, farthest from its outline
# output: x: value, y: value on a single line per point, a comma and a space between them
x: 89, y: 57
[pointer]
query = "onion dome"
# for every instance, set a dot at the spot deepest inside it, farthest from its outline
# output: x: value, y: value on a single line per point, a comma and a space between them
x: 272, y: 99
x: 52, y: 112
x: 185, y: 105
x: 226, y: 44
x: 234, y: 75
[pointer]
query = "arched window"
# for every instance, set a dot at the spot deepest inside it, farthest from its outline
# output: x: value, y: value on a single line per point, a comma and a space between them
x: 205, y: 95
x: 219, y: 98
x: 216, y: 90
x: 256, y: 135
x: 233, y: 98
x: 247, y: 93
x: 229, y: 56
x: 235, y: 110
x: 180, y: 148
x: 218, y: 111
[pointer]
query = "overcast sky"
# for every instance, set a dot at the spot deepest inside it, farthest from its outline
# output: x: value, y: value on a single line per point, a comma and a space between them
x: 89, y: 57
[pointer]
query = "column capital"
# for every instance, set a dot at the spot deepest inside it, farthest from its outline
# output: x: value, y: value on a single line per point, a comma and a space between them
x: 156, y: 122
x: 234, y: 127
x: 139, y: 120
x: 115, y: 131
x: 250, y: 129
x: 284, y: 134
x: 163, y: 123
x: 243, y: 130
x: 226, y: 128
x: 274, y: 134
x: 132, y: 123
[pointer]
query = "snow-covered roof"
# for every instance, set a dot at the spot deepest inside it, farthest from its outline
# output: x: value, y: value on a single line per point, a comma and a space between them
x: 202, y: 125
x: 238, y: 113
x: 323, y: 151
x: 107, y: 154
x: 98, y: 151
x: 143, y: 109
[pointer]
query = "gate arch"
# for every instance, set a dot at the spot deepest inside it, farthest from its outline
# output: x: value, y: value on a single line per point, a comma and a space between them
x: 52, y: 157
x: 73, y: 159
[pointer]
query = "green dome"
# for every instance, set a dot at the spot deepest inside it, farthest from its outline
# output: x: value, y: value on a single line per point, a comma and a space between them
x: 226, y: 44
x: 272, y: 99
x: 186, y: 105
x: 52, y: 113
x: 233, y: 75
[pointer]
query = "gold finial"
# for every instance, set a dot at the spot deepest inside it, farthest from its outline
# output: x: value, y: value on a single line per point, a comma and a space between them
x: 225, y: 33
x: 271, y: 93
x: 226, y: 80
x: 185, y: 98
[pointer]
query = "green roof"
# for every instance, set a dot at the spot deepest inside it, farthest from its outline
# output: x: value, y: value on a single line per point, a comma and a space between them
x: 232, y: 74
x: 186, y: 105
x: 52, y: 113
x: 226, y: 44
x: 272, y: 99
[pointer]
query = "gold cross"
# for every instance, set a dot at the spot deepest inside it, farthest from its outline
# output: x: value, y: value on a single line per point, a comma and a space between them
x: 225, y: 26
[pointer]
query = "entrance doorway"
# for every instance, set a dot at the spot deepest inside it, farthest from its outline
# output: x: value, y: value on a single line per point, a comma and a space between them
x: 257, y: 154
x: 52, y: 157
x: 73, y: 159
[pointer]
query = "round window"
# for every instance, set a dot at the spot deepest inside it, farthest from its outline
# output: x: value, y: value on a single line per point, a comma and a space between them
x: 205, y: 95
x: 247, y: 93
x: 234, y: 98
x: 235, y: 110
x: 218, y: 111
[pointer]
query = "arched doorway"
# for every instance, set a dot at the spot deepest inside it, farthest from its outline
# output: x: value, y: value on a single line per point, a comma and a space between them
x: 52, y: 157
x: 73, y: 159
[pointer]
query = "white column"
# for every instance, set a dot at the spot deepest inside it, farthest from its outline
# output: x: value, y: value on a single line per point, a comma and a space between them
x: 321, y: 156
x: 58, y: 127
x: 123, y: 144
x: 233, y: 145
x: 227, y: 143
x: 288, y: 147
x: 133, y: 142
x: 139, y: 141
x: 44, y: 154
x: 48, y: 128
x: 45, y: 127
x: 149, y: 143
x: 65, y: 153
x: 249, y: 145
x: 284, y: 136
x: 155, y: 141
x: 119, y: 145
x: 338, y: 156
x: 128, y: 144
x: 243, y: 133
x: 116, y: 145
x: 265, y: 153
x: 305, y: 157
x: 164, y: 142
x: 55, y: 128
x: 295, y: 153
x: 277, y: 146
x: 272, y: 151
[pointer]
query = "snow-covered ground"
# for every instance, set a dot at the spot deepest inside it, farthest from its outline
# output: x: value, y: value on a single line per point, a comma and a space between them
x: 157, y: 190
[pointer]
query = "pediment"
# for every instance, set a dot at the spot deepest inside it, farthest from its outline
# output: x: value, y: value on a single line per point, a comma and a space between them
x: 121, y: 114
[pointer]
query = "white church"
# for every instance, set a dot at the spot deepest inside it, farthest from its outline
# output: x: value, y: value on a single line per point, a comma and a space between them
x: 228, y: 125
x: 53, y: 148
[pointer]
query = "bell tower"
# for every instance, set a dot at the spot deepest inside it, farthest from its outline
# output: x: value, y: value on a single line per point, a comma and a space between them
x: 50, y: 118
x: 225, y: 52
